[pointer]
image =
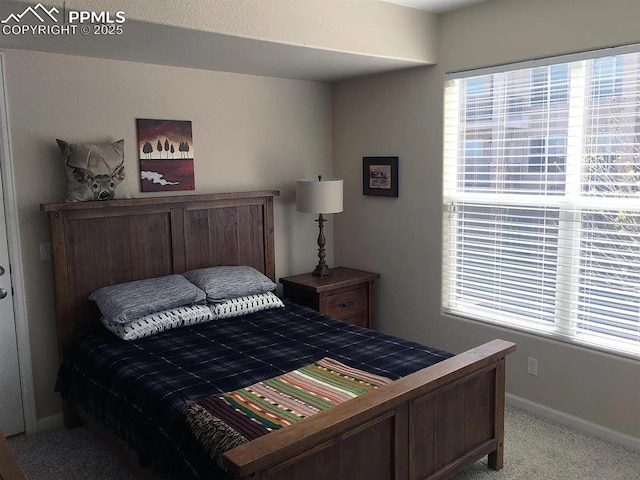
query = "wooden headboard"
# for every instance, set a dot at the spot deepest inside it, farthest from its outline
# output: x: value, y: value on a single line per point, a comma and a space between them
x: 95, y: 244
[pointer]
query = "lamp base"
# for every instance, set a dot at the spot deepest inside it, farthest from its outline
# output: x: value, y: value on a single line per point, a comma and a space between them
x: 321, y: 271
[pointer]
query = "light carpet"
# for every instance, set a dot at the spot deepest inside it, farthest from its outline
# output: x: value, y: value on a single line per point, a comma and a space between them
x: 535, y: 448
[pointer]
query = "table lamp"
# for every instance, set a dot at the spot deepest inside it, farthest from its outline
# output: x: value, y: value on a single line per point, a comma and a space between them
x: 321, y: 197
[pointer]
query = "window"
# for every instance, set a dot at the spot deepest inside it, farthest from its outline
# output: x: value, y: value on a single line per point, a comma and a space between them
x: 547, y: 161
x: 603, y: 162
x: 607, y: 77
x: 478, y: 99
x: 549, y: 84
x: 476, y: 167
x: 541, y: 225
x: 516, y: 107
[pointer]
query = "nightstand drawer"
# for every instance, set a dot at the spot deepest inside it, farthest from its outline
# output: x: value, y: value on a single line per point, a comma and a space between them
x: 346, y: 294
x: 347, y: 304
x: 360, y: 320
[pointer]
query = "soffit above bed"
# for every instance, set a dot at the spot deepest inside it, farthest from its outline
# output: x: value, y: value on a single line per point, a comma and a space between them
x: 321, y: 40
x: 435, y: 6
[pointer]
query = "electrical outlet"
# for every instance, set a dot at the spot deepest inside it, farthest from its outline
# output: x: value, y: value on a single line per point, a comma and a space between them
x: 45, y: 252
x: 532, y: 366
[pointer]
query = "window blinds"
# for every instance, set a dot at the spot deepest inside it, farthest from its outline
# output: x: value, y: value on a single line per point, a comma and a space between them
x: 541, y: 198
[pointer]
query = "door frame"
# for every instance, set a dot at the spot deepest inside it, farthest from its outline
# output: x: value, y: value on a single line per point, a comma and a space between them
x: 15, y: 259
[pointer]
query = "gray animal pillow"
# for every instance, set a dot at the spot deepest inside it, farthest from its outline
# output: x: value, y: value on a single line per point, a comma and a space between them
x: 94, y: 171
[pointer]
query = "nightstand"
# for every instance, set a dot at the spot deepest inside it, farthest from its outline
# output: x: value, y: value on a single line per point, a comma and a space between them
x: 346, y: 294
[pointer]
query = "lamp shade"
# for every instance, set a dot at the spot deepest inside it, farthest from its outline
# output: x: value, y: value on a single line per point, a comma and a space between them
x: 319, y: 196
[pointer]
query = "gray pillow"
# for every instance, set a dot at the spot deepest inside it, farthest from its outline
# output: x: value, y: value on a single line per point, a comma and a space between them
x: 125, y: 302
x: 224, y: 283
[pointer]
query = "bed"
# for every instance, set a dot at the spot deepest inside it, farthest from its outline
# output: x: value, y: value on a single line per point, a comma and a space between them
x: 431, y: 423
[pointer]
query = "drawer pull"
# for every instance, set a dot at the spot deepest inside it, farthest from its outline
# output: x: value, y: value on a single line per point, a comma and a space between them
x: 347, y: 304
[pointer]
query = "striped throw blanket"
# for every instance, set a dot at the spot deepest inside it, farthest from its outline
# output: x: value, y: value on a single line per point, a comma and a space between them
x: 225, y: 421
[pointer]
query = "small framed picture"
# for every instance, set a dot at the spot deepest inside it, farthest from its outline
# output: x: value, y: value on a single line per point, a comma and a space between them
x: 380, y: 176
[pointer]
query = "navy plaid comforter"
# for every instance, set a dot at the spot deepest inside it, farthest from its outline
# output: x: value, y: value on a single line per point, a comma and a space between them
x: 137, y: 389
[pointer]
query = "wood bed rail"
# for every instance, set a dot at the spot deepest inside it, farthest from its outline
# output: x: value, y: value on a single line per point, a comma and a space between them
x: 424, y: 410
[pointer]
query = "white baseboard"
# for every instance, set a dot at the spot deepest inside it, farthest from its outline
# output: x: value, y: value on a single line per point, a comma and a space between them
x: 577, y: 423
x: 48, y: 423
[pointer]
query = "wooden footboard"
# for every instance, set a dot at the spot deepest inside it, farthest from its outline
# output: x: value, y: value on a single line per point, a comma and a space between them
x: 431, y: 424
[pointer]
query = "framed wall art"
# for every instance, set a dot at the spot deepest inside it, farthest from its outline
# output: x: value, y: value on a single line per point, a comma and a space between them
x: 166, y: 155
x: 380, y: 176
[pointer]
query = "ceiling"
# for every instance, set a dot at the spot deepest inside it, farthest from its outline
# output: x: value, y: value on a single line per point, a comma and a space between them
x: 144, y: 42
x: 434, y: 6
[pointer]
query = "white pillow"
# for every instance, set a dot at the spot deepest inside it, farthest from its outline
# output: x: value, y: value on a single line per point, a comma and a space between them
x: 159, y: 322
x: 244, y: 305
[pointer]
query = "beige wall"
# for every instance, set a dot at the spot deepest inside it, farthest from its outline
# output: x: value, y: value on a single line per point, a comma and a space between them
x: 401, y: 114
x: 250, y: 133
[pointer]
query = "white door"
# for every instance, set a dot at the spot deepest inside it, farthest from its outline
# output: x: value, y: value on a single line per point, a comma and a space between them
x: 11, y: 411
